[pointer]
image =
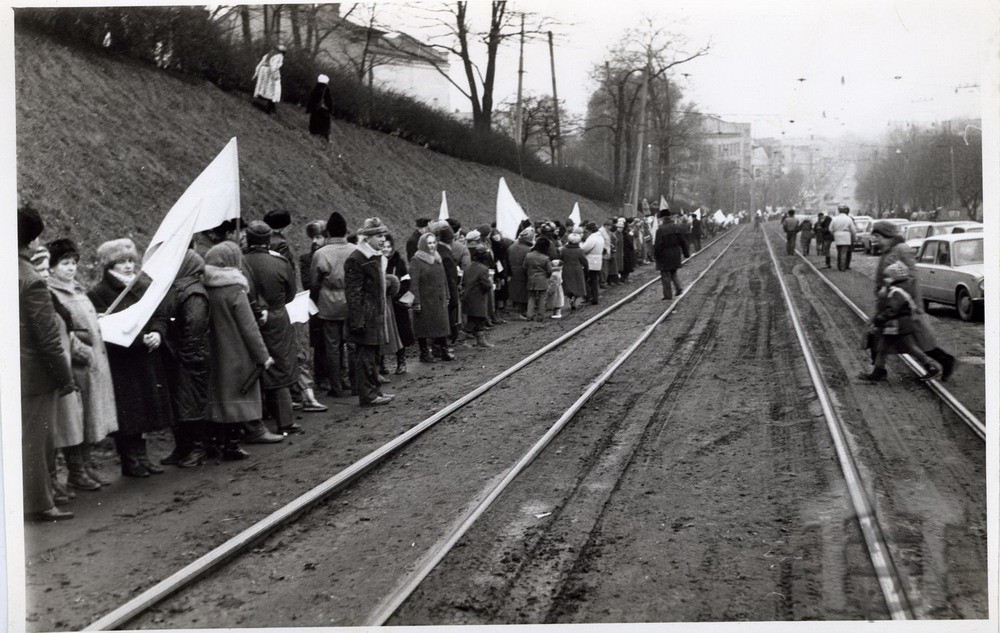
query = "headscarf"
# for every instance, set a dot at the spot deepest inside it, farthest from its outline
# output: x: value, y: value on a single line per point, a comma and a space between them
x: 224, y: 255
x: 527, y: 236
x: 189, y: 277
x: 424, y: 252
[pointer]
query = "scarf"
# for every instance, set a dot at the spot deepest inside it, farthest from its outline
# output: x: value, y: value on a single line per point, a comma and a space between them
x: 427, y: 258
x: 122, y: 278
x: 221, y: 276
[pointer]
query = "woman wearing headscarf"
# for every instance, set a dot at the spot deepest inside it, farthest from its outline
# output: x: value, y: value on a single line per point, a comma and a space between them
x: 237, y: 354
x: 91, y: 369
x: 268, y: 77
x: 518, y: 275
x: 319, y: 105
x: 142, y: 398
x: 429, y: 285
x: 188, y: 365
x: 401, y: 299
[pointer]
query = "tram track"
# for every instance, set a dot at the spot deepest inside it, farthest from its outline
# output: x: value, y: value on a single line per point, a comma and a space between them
x: 134, y: 610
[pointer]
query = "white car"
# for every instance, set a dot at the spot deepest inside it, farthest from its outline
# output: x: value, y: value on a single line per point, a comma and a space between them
x: 965, y: 226
x: 951, y: 272
x: 915, y: 233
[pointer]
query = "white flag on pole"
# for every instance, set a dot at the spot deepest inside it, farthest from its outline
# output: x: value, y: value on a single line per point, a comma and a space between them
x: 216, y: 191
x: 443, y: 213
x: 301, y: 307
x: 575, y: 214
x: 719, y: 217
x: 212, y: 198
x: 663, y: 203
x: 509, y: 212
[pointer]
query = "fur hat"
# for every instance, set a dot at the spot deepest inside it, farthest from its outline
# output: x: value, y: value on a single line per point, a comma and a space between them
x: 61, y: 249
x: 278, y: 219
x: 423, y: 222
x: 372, y: 226
x: 336, y: 226
x: 442, y: 230
x: 39, y: 255
x: 315, y: 228
x: 573, y: 238
x: 885, y: 229
x: 896, y: 272
x: 110, y: 253
x: 29, y: 225
x: 664, y: 213
x: 454, y: 224
x: 258, y: 234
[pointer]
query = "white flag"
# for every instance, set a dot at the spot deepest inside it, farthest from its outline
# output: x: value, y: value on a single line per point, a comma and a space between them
x: 443, y: 214
x: 575, y: 214
x: 663, y: 203
x: 216, y: 191
x: 719, y: 217
x: 509, y: 212
x: 301, y: 307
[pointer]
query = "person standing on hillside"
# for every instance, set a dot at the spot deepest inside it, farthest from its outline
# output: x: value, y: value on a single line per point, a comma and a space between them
x: 327, y: 280
x: 319, y: 105
x: 842, y: 228
x: 364, y: 287
x: 670, y: 244
x: 268, y: 77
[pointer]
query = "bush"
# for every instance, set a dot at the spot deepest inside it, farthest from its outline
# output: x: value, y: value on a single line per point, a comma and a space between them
x: 186, y: 40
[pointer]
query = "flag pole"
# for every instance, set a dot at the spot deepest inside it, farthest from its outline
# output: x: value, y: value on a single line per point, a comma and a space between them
x: 121, y: 295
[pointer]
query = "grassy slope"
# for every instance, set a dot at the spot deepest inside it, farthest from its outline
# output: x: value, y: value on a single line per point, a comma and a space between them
x: 106, y: 146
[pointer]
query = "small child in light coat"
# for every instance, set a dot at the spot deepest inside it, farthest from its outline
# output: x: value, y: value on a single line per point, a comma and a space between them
x: 554, y: 299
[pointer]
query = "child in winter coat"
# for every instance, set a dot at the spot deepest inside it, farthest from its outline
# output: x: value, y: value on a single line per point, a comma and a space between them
x: 894, y: 320
x: 554, y: 299
x: 538, y: 268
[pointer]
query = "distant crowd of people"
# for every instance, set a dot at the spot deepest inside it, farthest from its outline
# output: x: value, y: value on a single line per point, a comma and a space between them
x: 220, y: 354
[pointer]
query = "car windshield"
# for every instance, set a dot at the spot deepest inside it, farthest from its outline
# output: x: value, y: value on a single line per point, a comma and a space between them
x: 967, y: 252
x: 862, y: 225
x: 942, y: 230
x: 914, y: 232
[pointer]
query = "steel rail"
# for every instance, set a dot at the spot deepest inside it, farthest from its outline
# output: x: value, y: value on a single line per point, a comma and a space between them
x: 885, y: 570
x: 391, y: 603
x: 277, y: 519
x: 935, y: 385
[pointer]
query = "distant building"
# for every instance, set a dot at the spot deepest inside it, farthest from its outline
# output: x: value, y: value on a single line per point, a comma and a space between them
x: 727, y: 141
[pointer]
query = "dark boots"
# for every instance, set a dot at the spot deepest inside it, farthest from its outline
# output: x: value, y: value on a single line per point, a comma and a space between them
x: 75, y: 464
x: 947, y: 362
x: 878, y: 375
x: 231, y: 450
x: 143, y: 457
x: 425, y: 352
x: 182, y: 445
x: 195, y: 431
x: 131, y: 466
x: 400, y: 362
x: 90, y: 468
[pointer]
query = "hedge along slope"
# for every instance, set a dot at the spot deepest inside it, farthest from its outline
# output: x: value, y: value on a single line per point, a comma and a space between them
x: 105, y: 146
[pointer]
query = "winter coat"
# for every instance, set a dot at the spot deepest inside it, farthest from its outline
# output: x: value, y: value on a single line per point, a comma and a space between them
x: 593, y: 249
x: 67, y: 427
x: 236, y: 347
x: 670, y: 243
x: 628, y: 252
x: 364, y: 284
x: 696, y: 228
x: 429, y: 285
x: 538, y: 268
x: 142, y: 395
x: 327, y: 278
x: 94, y: 376
x: 806, y: 231
x: 44, y: 368
x: 790, y: 224
x: 476, y: 286
x: 617, y: 262
x: 894, y: 313
x: 516, y: 255
x: 923, y: 332
x: 188, y: 346
x: 574, y: 270
x: 501, y: 266
x: 554, y: 297
x: 451, y: 273
x: 842, y: 228
x: 460, y: 252
x: 268, y: 76
x: 275, y: 282
x: 822, y: 229
x: 396, y: 265
x: 280, y: 245
x: 411, y: 244
x: 319, y: 105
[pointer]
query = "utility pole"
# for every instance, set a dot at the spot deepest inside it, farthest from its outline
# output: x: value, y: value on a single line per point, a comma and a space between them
x: 520, y: 82
x: 557, y: 154
x: 642, y: 140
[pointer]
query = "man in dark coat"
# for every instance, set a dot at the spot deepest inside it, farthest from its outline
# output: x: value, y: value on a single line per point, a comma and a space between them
x: 364, y: 285
x: 45, y: 374
x: 319, y: 105
x: 823, y: 236
x: 274, y: 279
x: 695, y: 233
x: 411, y: 242
x: 446, y: 235
x: 278, y: 220
x: 791, y: 226
x: 670, y: 244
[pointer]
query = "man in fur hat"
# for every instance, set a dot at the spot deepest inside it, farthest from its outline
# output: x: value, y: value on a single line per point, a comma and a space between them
x: 364, y: 286
x: 327, y: 282
x: 669, y: 246
x: 278, y: 220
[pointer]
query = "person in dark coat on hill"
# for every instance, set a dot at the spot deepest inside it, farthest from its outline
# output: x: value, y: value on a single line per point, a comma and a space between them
x: 669, y: 245
x: 364, y: 285
x: 45, y: 374
x: 516, y: 255
x: 319, y: 105
x: 274, y: 279
x: 411, y: 242
x: 445, y: 236
x: 142, y: 397
x: 236, y: 350
x: 574, y: 270
x: 476, y: 286
x: 396, y: 265
x: 429, y: 285
x: 187, y: 362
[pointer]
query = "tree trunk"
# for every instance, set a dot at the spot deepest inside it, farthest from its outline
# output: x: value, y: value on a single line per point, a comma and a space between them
x: 462, y: 29
x: 245, y: 23
x: 296, y: 32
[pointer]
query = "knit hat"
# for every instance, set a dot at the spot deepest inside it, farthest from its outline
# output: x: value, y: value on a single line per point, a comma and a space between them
x: 258, y: 234
x: 592, y: 227
x: 278, y: 219
x: 527, y: 235
x: 885, y: 229
x: 29, y: 225
x: 323, y: 79
x: 897, y: 271
x: 573, y: 238
x: 336, y: 226
x: 110, y: 253
x: 372, y: 226
x: 61, y: 249
x: 315, y: 228
x: 39, y: 255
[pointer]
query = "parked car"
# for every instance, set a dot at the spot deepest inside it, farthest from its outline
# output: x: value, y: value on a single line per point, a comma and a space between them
x: 964, y: 226
x: 951, y: 272
x: 871, y: 246
x: 914, y: 234
x: 863, y: 224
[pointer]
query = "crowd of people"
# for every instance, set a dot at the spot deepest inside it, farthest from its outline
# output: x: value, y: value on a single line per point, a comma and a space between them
x: 220, y: 355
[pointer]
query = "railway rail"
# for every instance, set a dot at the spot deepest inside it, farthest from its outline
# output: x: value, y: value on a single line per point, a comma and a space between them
x: 286, y: 515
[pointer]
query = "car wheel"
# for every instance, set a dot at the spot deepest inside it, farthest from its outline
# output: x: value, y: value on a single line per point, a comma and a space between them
x: 966, y: 308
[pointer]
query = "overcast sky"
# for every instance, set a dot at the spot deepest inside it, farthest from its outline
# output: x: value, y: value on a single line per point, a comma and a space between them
x: 758, y: 50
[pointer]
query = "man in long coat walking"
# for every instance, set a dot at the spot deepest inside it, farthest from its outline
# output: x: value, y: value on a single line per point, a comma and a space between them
x: 670, y: 244
x: 364, y: 285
